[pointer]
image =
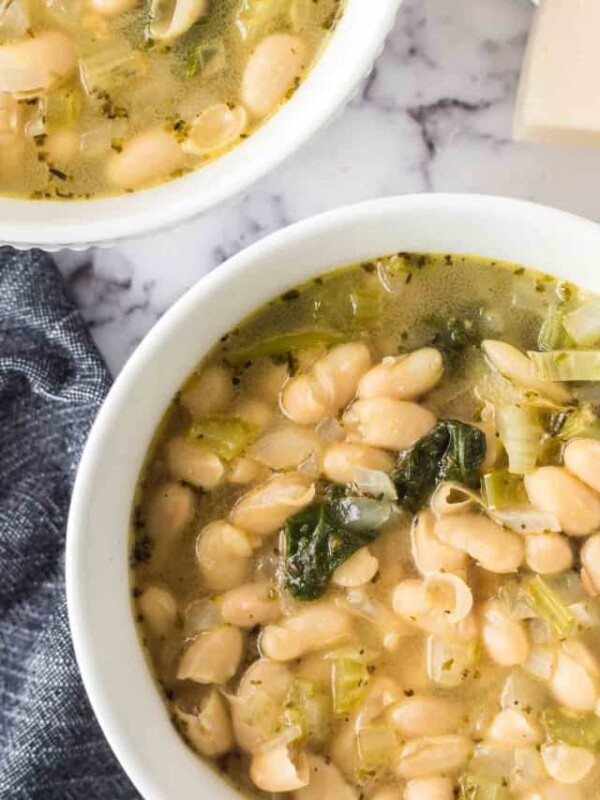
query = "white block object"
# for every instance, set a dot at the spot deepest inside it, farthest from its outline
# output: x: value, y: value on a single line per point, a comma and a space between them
x: 559, y: 94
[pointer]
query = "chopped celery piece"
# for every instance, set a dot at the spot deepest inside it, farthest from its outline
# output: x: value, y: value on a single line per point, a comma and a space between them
x: 552, y: 333
x: 289, y: 343
x: 550, y: 608
x: 583, y: 422
x: 377, y: 745
x: 308, y: 707
x: 207, y: 59
x: 62, y: 109
x: 225, y: 436
x: 366, y: 305
x: 256, y: 18
x: 105, y: 67
x: 567, y: 365
x: 583, y: 324
x: 451, y: 662
x: 349, y: 682
x: 481, y: 787
x: 502, y: 489
x: 521, y: 434
x: 579, y: 731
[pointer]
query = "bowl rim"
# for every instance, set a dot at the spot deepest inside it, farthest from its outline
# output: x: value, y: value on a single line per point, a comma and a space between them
x: 541, y: 221
x: 328, y: 87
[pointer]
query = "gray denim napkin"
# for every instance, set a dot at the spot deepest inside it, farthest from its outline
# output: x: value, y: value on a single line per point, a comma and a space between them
x: 52, y: 382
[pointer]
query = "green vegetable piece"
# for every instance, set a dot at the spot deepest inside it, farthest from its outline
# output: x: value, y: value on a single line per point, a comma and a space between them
x: 453, y: 451
x: 502, y: 489
x: 567, y: 365
x: 583, y: 324
x: 349, y: 683
x: 366, y: 305
x: 482, y: 787
x: 583, y: 422
x: 323, y: 536
x: 552, y: 334
x: 579, y: 731
x: 62, y: 109
x: 256, y: 18
x: 288, y: 343
x: 225, y: 436
x: 309, y: 707
x: 451, y: 336
x: 550, y: 607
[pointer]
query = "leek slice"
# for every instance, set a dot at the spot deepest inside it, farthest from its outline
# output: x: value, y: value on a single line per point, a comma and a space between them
x: 62, y: 109
x: 225, y: 436
x: 579, y: 731
x: 308, y: 707
x: 105, y: 67
x: 376, y: 744
x: 288, y: 343
x: 581, y: 423
x: 552, y: 334
x: 349, y: 682
x: 550, y: 608
x: 567, y: 365
x: 583, y: 324
x: 521, y: 434
x: 256, y: 18
x: 502, y: 489
x: 481, y: 787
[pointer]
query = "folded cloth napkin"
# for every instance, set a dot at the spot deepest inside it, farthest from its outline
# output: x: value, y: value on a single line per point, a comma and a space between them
x: 52, y: 382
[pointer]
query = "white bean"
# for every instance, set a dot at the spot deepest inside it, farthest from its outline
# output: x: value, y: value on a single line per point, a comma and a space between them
x: 256, y: 709
x: 245, y: 470
x: 574, y: 682
x: 590, y: 559
x: 37, y: 62
x: 326, y: 782
x: 433, y: 755
x: 62, y: 145
x: 552, y: 790
x: 390, y: 424
x: 271, y: 71
x: 434, y: 788
x: 112, y: 8
x: 254, y: 411
x: 251, y: 604
x: 389, y: 792
x: 493, y: 547
x: 582, y: 458
x: 264, y: 510
x: 359, y: 569
x: 426, y: 715
x: 405, y: 377
x: 215, y: 129
x: 194, y: 464
x: 279, y: 770
x: 268, y: 380
x: 149, y: 157
x: 209, y: 393
x: 209, y: 732
x: 342, y: 458
x: 224, y: 554
x: 548, y: 553
x: 327, y: 387
x: 11, y: 120
x: 574, y: 504
x: 212, y: 657
x: 314, y: 628
x: 567, y: 764
x: 429, y: 553
x: 285, y: 445
x: 504, y: 638
x: 513, y: 728
x: 434, y: 610
x: 170, y: 511
x: 158, y: 609
x: 517, y: 367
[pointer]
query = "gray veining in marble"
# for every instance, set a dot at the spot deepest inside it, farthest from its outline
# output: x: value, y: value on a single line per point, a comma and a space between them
x: 435, y: 115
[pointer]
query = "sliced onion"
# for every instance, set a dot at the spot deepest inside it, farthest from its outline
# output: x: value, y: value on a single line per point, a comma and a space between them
x: 201, y: 615
x: 330, y: 430
x: 449, y: 662
x: 527, y: 520
x: 287, y: 736
x: 375, y: 483
x: 586, y: 613
x: 540, y: 663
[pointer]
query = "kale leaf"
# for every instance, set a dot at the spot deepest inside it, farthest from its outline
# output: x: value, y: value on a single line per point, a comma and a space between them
x: 453, y: 451
x: 323, y: 536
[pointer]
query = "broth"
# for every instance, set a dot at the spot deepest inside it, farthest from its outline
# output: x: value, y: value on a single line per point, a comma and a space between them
x: 364, y: 551
x: 101, y: 97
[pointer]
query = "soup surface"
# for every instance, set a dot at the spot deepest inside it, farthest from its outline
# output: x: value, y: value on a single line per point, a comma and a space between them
x: 106, y: 96
x: 366, y: 556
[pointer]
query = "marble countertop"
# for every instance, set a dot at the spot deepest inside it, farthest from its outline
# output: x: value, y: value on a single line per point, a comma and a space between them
x: 435, y: 115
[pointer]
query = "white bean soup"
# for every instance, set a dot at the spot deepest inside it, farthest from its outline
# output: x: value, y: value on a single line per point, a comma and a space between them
x: 101, y: 97
x: 366, y: 541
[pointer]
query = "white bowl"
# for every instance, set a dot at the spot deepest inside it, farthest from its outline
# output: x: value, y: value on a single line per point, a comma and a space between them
x: 346, y: 60
x: 126, y: 702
